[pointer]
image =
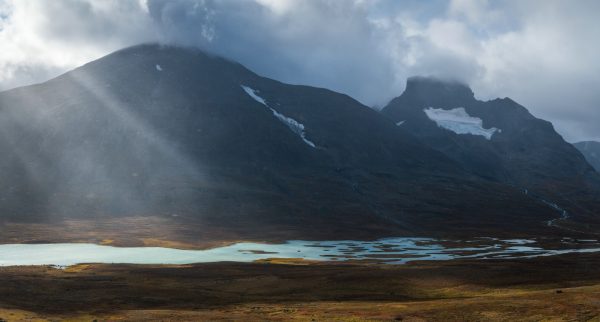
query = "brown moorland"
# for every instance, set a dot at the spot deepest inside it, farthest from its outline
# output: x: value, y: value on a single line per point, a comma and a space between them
x: 558, y: 288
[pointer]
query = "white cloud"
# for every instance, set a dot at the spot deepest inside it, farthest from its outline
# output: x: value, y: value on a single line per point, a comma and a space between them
x: 40, y: 39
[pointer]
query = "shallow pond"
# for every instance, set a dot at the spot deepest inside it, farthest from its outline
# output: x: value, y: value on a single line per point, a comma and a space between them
x: 389, y: 250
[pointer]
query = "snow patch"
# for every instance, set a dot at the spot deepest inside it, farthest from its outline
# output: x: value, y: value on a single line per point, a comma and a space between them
x: 252, y: 94
x: 158, y: 68
x: 292, y: 124
x: 458, y: 121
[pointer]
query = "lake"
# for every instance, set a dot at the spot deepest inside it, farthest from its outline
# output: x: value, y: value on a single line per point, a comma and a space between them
x: 388, y: 250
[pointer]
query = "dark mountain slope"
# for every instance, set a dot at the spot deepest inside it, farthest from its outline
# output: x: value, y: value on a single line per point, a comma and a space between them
x: 499, y: 140
x: 165, y: 130
x: 591, y: 152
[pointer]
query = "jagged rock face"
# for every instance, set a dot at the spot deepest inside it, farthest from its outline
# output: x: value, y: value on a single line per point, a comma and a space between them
x: 591, y: 152
x: 428, y: 92
x: 164, y: 130
x: 520, y: 149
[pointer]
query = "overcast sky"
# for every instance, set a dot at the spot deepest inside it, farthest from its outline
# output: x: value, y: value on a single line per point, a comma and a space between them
x: 543, y: 54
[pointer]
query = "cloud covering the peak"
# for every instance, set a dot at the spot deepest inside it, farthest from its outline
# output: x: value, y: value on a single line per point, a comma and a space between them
x: 542, y: 54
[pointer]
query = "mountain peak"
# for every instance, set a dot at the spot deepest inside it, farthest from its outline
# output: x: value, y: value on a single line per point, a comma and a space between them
x: 438, y: 91
x: 426, y: 91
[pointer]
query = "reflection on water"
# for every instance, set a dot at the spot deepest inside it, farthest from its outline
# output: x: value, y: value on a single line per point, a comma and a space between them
x: 389, y: 250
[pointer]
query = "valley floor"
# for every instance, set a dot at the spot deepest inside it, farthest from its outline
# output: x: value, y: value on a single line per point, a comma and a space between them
x: 181, y: 232
x: 556, y: 288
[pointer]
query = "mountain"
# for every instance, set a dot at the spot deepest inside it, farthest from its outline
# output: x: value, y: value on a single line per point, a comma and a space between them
x: 160, y: 130
x: 591, y: 152
x: 498, y: 140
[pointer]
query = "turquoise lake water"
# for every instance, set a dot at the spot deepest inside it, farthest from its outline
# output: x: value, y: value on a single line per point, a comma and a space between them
x: 389, y: 250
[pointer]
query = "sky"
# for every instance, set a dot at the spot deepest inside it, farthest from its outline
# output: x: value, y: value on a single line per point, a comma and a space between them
x: 543, y: 54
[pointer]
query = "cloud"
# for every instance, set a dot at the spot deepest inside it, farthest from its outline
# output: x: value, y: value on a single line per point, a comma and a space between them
x: 543, y: 55
x: 41, y: 39
x: 322, y: 43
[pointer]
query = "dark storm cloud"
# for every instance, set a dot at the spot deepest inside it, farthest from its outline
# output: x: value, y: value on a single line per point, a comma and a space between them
x: 543, y: 55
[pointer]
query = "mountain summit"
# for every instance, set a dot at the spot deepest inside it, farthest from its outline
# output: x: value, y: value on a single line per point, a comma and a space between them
x: 498, y: 140
x: 431, y: 91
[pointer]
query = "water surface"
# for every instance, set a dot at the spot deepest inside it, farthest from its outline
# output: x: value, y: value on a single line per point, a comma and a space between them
x: 389, y: 250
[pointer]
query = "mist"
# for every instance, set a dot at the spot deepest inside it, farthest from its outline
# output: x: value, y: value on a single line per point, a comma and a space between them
x: 81, y: 150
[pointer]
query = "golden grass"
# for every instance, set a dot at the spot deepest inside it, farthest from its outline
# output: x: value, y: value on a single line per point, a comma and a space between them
x: 107, y: 242
x: 78, y: 268
x: 286, y: 261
